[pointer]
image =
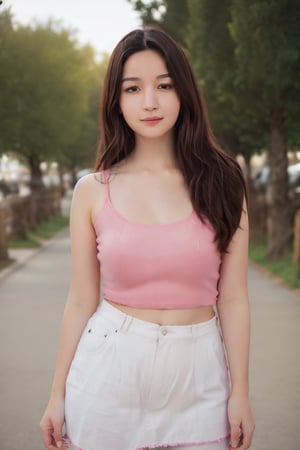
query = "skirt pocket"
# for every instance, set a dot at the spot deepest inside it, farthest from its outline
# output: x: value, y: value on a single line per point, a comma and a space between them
x: 95, y: 334
x: 93, y: 357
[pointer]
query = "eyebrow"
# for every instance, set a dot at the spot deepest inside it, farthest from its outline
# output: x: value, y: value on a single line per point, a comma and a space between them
x: 159, y: 77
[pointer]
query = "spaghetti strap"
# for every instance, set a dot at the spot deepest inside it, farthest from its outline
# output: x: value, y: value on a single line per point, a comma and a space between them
x: 105, y: 174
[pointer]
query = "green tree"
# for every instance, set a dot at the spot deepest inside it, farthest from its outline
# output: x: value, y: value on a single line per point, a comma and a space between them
x: 170, y: 15
x: 6, y: 28
x: 175, y: 19
x: 81, y: 152
x: 150, y: 12
x: 267, y: 37
x: 212, y: 52
x: 44, y: 92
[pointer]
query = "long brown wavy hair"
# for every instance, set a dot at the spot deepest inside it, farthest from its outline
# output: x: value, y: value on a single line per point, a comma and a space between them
x: 214, y: 178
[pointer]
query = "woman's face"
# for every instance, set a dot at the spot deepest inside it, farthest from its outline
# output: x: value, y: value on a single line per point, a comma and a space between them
x: 148, y: 100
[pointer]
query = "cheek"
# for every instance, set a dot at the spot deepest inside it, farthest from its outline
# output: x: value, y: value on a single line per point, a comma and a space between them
x: 174, y: 102
x: 175, y: 107
x: 126, y: 106
x: 127, y: 113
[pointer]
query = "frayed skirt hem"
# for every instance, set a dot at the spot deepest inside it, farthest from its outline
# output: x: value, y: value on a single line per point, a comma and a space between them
x: 166, y: 445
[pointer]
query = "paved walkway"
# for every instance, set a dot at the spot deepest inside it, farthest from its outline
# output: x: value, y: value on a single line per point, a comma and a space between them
x: 32, y: 300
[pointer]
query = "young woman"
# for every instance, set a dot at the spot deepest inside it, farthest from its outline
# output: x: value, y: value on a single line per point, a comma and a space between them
x: 163, y: 221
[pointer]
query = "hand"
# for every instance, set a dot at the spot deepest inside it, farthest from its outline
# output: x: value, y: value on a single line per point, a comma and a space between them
x: 52, y: 423
x: 241, y: 422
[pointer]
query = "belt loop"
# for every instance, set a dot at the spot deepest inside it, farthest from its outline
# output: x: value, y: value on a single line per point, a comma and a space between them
x: 193, y: 333
x: 123, y: 323
x: 129, y: 322
x: 126, y: 323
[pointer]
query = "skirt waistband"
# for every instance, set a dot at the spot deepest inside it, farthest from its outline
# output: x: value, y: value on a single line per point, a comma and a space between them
x: 126, y: 323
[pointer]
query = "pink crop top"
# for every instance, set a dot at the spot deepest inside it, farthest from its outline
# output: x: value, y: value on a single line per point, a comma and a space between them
x: 159, y: 266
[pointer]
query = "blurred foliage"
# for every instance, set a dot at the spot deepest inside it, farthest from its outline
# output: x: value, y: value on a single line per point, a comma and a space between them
x: 82, y: 151
x: 170, y: 15
x: 267, y: 49
x: 50, y: 88
x: 212, y: 51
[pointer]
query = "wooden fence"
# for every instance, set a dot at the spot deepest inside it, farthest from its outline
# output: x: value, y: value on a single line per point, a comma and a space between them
x: 20, y: 214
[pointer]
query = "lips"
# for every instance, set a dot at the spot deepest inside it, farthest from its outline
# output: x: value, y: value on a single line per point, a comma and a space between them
x: 151, y: 119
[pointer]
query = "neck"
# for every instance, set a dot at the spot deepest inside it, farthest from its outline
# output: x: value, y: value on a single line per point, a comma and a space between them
x: 154, y: 154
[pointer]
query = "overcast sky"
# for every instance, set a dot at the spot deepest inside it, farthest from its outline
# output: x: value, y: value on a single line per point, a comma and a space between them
x: 99, y: 22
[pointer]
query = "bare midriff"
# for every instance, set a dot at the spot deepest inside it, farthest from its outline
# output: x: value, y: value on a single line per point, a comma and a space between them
x: 168, y: 316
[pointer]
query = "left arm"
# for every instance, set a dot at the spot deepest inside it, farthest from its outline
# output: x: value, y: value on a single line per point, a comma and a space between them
x: 234, y: 314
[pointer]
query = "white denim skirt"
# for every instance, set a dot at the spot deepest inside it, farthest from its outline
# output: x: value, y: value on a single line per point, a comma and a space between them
x: 136, y: 385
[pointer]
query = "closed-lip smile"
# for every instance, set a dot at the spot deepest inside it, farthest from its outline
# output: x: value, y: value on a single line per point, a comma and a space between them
x: 151, y: 119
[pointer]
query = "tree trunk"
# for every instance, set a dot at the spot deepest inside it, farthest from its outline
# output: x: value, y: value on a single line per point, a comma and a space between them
x: 280, y: 227
x: 36, y: 182
x: 3, y: 237
x: 37, y: 190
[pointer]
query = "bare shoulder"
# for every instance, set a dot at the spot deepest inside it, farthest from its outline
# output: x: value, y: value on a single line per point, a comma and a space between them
x: 89, y: 194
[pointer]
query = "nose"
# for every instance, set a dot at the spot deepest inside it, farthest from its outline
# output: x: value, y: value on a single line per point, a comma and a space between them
x: 150, y: 100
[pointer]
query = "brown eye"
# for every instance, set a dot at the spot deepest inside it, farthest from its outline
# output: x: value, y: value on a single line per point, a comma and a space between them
x: 165, y: 86
x: 132, y: 89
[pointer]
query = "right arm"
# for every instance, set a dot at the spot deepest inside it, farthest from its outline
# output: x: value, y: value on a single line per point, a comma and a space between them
x: 82, y: 301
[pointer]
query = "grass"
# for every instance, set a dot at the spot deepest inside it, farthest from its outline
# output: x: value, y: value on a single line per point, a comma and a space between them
x: 283, y: 268
x: 48, y: 229
x: 30, y: 242
x: 45, y: 230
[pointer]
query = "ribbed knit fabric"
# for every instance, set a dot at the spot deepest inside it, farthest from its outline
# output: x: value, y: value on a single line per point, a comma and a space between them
x: 159, y: 266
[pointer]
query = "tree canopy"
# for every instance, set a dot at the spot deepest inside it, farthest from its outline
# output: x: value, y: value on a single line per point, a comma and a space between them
x: 49, y: 86
x: 171, y: 15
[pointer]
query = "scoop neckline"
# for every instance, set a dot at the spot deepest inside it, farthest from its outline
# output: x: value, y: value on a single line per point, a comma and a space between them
x: 141, y: 224
x: 108, y: 202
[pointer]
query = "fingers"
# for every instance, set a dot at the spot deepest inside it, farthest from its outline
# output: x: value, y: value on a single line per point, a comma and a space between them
x: 52, y: 436
x: 241, y: 439
x: 247, y: 436
x: 235, y: 435
x: 57, y: 436
x: 47, y: 431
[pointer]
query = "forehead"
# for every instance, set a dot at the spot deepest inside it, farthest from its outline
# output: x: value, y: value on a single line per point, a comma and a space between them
x: 144, y: 63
